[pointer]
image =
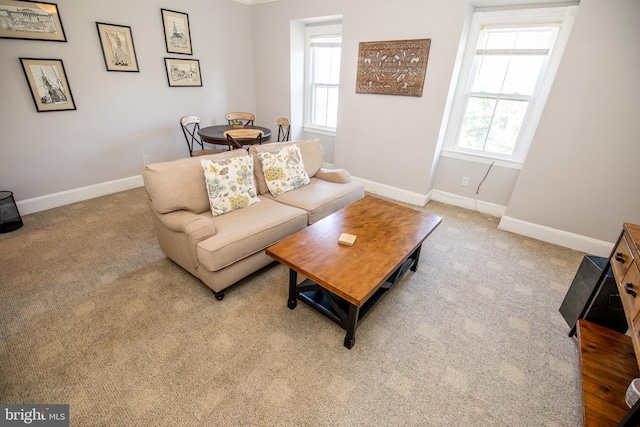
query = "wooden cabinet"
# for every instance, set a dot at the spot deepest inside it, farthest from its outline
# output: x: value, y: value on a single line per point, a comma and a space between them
x: 609, y: 360
x: 624, y: 263
x: 622, y: 258
x: 608, y: 365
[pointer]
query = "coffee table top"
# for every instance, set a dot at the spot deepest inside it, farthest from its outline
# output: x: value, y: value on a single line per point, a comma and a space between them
x: 387, y: 234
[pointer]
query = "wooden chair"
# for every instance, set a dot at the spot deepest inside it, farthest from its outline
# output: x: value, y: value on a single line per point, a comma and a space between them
x: 284, y: 129
x: 244, y: 118
x: 190, y: 126
x: 248, y: 137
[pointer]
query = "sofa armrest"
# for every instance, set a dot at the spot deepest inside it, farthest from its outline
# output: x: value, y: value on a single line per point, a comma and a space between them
x: 339, y: 176
x: 196, y: 227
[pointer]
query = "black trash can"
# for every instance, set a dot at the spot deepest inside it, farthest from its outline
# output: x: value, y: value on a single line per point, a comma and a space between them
x: 606, y: 308
x: 9, y: 216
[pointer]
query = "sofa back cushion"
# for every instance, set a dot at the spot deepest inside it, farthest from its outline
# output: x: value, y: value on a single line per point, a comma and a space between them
x: 180, y: 184
x: 311, y: 157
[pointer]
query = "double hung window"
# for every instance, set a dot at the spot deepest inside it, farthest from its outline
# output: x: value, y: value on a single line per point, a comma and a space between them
x: 505, y: 77
x: 324, y: 45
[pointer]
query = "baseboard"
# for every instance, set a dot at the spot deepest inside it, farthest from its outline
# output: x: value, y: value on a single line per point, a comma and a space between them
x: 566, y: 239
x: 543, y: 233
x: 393, y: 192
x: 539, y: 232
x: 50, y: 201
x: 473, y: 204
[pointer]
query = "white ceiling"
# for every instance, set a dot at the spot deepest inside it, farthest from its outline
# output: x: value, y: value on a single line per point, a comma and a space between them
x: 253, y: 1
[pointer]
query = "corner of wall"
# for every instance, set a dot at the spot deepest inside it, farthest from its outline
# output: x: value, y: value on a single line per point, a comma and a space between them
x: 394, y: 193
x: 481, y: 206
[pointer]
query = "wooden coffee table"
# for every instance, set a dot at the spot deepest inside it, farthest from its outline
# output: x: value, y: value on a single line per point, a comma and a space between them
x: 345, y: 282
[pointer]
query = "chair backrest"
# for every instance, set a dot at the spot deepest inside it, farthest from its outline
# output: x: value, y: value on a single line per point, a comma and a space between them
x: 248, y: 137
x: 190, y: 126
x: 245, y: 118
x: 284, y: 129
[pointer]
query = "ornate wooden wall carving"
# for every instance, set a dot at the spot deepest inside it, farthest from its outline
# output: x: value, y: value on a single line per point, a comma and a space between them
x: 392, y: 67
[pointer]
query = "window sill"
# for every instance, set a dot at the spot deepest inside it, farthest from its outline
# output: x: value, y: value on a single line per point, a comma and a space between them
x: 319, y: 131
x: 512, y: 164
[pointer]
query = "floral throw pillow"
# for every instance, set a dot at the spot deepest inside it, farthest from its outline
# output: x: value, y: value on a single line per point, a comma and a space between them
x: 283, y: 169
x: 229, y: 183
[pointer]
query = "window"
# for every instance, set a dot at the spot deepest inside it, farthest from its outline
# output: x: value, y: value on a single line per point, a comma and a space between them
x: 505, y: 77
x: 322, y: 76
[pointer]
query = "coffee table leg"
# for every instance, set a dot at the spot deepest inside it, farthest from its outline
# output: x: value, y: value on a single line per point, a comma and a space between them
x: 352, y: 319
x: 414, y: 267
x: 293, y: 279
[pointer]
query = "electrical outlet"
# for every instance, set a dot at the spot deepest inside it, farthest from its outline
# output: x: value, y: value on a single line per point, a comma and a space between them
x: 465, y: 181
x: 145, y: 159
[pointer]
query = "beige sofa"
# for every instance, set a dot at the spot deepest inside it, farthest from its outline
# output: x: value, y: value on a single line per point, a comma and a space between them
x: 223, y: 249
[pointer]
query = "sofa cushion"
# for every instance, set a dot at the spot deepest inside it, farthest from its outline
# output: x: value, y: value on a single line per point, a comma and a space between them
x: 244, y: 232
x: 311, y: 157
x: 229, y: 183
x: 283, y: 169
x: 321, y: 198
x: 180, y: 184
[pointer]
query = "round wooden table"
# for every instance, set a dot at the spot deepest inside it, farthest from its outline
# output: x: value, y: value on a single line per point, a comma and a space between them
x: 215, y: 134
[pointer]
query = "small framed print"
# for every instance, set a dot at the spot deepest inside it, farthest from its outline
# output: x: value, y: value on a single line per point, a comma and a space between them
x: 117, y: 47
x: 177, y: 35
x: 183, y: 72
x: 48, y: 83
x: 30, y: 20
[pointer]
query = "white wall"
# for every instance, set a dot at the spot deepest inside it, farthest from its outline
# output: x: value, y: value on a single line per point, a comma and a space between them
x: 391, y: 140
x: 120, y: 116
x: 492, y: 184
x: 279, y: 50
x: 582, y: 173
x: 579, y: 179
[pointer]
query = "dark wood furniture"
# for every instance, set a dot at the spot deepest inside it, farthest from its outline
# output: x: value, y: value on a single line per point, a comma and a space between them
x: 345, y: 282
x: 215, y: 134
x: 609, y: 360
x: 608, y: 365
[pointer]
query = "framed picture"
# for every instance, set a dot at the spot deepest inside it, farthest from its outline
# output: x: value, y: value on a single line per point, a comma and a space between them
x: 117, y: 47
x: 48, y: 84
x: 177, y: 34
x: 392, y: 67
x: 183, y: 72
x: 30, y: 20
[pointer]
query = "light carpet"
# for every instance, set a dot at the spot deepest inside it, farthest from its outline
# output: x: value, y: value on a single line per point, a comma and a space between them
x: 94, y: 315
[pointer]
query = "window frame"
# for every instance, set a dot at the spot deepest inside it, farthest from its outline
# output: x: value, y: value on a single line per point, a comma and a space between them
x: 563, y: 16
x: 312, y: 31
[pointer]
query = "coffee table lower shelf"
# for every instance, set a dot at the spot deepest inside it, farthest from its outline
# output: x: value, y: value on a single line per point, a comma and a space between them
x: 341, y: 311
